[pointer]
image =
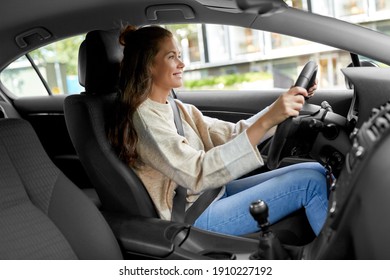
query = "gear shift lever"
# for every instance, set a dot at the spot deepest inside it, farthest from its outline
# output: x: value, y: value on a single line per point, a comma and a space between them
x: 259, y: 211
x: 270, y: 247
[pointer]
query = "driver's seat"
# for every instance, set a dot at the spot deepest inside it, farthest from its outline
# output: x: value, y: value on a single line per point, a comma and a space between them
x: 118, y: 187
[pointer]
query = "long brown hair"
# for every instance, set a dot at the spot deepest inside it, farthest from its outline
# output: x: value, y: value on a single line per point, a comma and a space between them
x: 135, y: 82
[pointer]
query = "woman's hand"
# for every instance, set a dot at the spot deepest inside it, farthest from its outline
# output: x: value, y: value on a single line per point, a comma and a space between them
x: 287, y: 105
x: 313, y: 88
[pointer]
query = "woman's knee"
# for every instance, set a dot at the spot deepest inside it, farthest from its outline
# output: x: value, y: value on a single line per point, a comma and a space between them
x: 313, y: 166
x: 312, y: 174
x: 313, y: 179
x: 316, y: 183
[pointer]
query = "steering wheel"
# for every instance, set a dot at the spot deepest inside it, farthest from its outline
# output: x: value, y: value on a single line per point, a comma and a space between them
x: 287, y: 128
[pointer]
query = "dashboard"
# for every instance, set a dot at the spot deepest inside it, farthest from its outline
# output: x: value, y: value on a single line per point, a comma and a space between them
x: 371, y: 89
x: 361, y: 194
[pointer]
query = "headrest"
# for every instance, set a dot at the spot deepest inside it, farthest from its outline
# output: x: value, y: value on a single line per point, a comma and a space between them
x: 100, y: 56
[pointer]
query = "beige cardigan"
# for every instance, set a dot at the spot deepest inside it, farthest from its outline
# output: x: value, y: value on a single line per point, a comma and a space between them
x: 213, y: 152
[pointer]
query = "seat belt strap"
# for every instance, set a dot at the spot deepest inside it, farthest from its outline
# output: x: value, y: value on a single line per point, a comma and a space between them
x: 179, y: 201
x: 203, y: 201
x: 179, y: 204
x: 176, y: 116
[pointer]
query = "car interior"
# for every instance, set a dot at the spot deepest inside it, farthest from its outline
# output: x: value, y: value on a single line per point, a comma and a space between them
x: 66, y: 195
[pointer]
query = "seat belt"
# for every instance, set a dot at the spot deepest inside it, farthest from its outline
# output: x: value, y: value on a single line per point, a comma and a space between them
x: 179, y: 201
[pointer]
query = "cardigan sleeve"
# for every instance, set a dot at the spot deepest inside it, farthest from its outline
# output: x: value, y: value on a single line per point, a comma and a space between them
x: 221, y: 131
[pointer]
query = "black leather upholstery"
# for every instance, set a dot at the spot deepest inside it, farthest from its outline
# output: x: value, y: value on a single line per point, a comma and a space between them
x: 99, y: 61
x: 43, y: 215
x: 118, y: 187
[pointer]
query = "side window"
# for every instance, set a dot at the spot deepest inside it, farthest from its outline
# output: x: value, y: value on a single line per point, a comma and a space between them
x: 56, y: 64
x: 221, y: 57
x: 21, y: 79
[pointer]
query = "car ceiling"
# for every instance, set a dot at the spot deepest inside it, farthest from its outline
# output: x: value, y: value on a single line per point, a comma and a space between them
x: 66, y: 18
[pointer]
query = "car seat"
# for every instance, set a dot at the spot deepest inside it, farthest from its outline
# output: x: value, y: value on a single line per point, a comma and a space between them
x: 118, y: 187
x: 43, y: 215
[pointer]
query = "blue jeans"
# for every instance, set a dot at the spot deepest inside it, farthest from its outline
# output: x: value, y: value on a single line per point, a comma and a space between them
x: 285, y: 190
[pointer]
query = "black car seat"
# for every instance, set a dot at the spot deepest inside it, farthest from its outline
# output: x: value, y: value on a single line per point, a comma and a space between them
x: 43, y: 215
x: 118, y: 187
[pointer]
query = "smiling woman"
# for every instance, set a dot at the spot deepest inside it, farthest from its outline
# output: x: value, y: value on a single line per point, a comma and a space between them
x: 208, y: 153
x: 166, y: 70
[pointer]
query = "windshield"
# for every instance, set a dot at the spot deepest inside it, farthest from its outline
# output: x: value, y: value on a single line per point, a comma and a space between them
x: 373, y: 14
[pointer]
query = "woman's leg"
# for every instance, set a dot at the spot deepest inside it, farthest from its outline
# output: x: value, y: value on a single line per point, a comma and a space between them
x: 284, y: 195
x: 242, y: 184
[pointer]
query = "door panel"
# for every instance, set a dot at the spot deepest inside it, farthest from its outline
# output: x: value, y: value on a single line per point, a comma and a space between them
x: 236, y: 105
x: 46, y: 115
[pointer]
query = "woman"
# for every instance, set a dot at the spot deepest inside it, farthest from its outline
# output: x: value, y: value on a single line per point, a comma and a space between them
x: 213, y: 153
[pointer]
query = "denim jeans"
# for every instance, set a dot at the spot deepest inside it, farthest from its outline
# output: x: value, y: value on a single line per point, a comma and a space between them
x: 285, y: 190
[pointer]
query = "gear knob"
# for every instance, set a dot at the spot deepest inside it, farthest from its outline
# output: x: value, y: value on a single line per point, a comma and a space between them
x: 259, y: 211
x: 270, y: 247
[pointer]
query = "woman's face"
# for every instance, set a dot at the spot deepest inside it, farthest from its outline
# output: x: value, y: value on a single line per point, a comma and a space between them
x: 167, y: 68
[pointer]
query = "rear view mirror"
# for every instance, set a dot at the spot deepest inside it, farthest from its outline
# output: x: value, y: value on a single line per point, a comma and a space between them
x: 261, y: 7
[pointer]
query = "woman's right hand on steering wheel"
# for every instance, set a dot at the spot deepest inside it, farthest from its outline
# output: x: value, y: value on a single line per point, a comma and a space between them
x: 287, y: 105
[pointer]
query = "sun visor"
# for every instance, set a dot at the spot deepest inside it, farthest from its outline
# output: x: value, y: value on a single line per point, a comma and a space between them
x: 229, y: 6
x: 260, y: 7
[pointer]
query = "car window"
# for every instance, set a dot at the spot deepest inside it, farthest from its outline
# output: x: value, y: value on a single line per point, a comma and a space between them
x: 217, y: 57
x: 350, y: 10
x: 229, y: 57
x: 56, y: 64
x: 21, y: 79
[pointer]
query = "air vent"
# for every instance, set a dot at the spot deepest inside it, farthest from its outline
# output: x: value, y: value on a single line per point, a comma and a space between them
x: 380, y: 121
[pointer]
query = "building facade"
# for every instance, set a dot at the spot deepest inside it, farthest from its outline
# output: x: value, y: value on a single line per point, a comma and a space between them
x: 218, y: 56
